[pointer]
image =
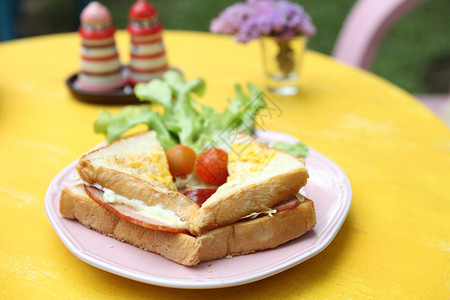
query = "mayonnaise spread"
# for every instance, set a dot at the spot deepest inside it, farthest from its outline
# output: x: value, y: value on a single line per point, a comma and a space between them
x: 155, y: 212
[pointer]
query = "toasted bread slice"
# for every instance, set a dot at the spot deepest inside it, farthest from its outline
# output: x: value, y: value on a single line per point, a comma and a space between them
x: 239, y: 238
x: 136, y: 168
x: 260, y: 177
x: 76, y: 204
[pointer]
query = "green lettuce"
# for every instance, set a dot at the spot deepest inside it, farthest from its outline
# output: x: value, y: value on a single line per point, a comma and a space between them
x: 184, y: 120
x: 298, y: 149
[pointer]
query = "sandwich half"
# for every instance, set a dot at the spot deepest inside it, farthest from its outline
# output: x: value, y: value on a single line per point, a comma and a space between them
x: 135, y: 169
x: 260, y: 178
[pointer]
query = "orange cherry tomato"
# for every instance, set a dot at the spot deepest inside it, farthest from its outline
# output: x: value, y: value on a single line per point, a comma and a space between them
x: 211, y: 166
x: 181, y: 160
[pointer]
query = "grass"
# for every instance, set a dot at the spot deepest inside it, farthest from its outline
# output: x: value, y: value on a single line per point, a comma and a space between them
x: 414, y: 45
x: 413, y: 51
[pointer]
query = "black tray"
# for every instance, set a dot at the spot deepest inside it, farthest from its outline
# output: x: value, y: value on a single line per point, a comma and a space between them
x: 124, y: 95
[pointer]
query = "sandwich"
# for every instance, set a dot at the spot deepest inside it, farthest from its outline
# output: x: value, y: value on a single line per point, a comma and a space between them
x: 129, y: 193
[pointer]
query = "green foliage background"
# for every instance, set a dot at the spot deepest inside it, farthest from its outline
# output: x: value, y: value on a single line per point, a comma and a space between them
x: 415, y: 54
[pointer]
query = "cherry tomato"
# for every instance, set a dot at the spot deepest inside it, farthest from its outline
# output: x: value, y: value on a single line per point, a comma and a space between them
x: 199, y: 195
x: 181, y: 160
x: 211, y: 166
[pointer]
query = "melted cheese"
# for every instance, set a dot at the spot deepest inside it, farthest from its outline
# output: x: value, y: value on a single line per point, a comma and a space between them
x: 255, y: 214
x: 246, y: 159
x: 152, y: 167
x: 270, y: 212
x: 300, y: 197
x: 155, y: 212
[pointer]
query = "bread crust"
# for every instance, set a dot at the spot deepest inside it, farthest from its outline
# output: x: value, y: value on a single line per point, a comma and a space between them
x: 282, y: 178
x: 76, y: 204
x: 238, y: 203
x: 130, y: 186
x: 258, y: 234
x: 236, y: 239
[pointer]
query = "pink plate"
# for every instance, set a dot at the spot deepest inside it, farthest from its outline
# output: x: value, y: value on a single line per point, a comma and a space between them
x: 328, y: 186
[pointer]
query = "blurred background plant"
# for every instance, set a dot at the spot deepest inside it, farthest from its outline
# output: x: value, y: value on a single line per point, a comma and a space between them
x: 415, y: 54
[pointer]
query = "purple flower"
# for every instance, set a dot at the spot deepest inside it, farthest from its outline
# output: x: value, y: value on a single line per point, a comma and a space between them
x: 254, y: 18
x: 230, y: 20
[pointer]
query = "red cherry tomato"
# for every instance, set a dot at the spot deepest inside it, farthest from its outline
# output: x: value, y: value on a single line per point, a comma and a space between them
x: 199, y: 195
x: 211, y: 166
x: 181, y: 160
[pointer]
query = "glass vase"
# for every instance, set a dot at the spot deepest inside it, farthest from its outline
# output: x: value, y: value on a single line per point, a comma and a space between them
x: 282, y: 60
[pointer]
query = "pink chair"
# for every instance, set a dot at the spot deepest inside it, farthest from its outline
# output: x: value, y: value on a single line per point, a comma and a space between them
x: 363, y: 32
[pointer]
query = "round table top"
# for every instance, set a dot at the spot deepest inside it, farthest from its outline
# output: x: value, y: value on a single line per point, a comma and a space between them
x: 396, y: 153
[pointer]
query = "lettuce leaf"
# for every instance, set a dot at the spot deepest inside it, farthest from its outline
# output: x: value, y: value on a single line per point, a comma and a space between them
x: 298, y: 149
x: 184, y: 120
x: 114, y: 126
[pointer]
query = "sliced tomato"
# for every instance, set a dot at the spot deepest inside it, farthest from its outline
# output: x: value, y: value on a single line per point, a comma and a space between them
x: 199, y: 196
x: 129, y: 214
x: 288, y: 204
x: 211, y: 166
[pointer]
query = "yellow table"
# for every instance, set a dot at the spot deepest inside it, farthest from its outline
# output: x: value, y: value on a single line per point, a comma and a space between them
x: 396, y: 153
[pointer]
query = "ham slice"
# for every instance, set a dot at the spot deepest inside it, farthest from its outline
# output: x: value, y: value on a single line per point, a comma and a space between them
x: 199, y: 196
x: 130, y: 214
x: 288, y: 204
